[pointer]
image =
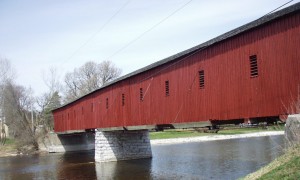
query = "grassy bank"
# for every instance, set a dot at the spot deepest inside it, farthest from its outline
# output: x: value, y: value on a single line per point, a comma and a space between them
x: 286, y: 166
x: 8, y: 149
x: 179, y: 133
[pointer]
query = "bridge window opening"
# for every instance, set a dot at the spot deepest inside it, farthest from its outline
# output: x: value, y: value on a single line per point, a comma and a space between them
x: 74, y: 114
x: 123, y: 99
x: 92, y: 107
x: 253, y: 66
x: 141, y: 94
x: 167, y: 88
x: 201, y: 79
x: 82, y: 110
x: 106, y: 103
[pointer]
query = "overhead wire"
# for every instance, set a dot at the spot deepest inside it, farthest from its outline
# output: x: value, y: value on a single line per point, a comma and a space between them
x: 164, y: 19
x: 193, y: 53
x: 144, y: 33
x: 198, y: 50
x: 98, y: 31
x: 132, y: 41
x: 148, y: 30
x: 172, y: 64
x: 93, y: 35
x: 277, y: 8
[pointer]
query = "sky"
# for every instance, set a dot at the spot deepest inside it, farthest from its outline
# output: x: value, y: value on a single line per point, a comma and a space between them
x: 38, y: 35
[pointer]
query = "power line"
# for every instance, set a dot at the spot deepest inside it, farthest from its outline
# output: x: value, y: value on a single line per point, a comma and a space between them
x: 154, y: 26
x: 201, y: 49
x: 98, y: 31
x: 277, y: 8
x: 176, y: 62
x: 150, y: 29
x: 182, y: 58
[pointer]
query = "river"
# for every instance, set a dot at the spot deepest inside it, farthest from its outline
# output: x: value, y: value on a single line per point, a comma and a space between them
x: 224, y: 159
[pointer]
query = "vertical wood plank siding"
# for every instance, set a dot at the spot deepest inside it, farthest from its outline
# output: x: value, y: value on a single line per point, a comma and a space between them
x: 229, y: 91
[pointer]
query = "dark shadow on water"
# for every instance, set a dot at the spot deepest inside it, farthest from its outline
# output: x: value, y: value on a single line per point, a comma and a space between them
x: 226, y: 159
x: 76, y: 165
x: 130, y: 169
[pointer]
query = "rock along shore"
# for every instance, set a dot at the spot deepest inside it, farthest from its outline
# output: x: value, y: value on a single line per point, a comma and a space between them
x: 214, y: 138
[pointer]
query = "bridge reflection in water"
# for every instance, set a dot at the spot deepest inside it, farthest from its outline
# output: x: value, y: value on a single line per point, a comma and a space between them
x: 226, y: 159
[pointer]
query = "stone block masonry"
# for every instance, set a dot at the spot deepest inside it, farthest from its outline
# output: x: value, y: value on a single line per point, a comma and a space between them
x: 122, y: 145
x: 292, y: 130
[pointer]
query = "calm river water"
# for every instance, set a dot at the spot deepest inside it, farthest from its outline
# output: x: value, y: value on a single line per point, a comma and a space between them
x: 225, y: 159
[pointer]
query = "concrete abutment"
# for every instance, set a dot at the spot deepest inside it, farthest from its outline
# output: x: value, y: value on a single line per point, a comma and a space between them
x: 122, y: 145
x: 57, y: 143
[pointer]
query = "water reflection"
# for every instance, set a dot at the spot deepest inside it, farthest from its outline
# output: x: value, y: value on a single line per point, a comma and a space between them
x: 26, y: 167
x: 228, y: 159
x: 76, y: 165
x: 137, y: 169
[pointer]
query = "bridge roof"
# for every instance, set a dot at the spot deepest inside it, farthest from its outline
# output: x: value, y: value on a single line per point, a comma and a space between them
x: 247, y: 27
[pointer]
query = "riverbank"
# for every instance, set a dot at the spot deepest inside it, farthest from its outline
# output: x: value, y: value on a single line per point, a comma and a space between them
x: 213, y: 137
x: 229, y: 130
x: 179, y: 136
x: 9, y: 149
x: 286, y: 166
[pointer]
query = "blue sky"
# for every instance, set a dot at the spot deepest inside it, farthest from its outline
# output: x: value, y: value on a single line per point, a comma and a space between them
x: 37, y: 35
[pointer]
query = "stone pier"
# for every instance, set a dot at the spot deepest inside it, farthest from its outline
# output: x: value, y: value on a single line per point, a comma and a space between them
x: 122, y: 145
x: 292, y: 129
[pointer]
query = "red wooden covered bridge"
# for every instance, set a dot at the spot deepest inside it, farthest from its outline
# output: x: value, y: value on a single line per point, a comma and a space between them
x: 249, y: 73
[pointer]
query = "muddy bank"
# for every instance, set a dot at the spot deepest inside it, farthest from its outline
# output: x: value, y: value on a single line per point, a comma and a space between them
x: 11, y: 150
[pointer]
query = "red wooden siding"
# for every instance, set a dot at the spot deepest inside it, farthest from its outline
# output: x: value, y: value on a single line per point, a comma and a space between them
x: 229, y: 91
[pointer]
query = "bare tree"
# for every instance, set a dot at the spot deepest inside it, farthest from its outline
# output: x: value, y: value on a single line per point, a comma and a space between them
x: 17, y: 109
x: 49, y: 100
x: 6, y: 74
x: 51, y: 79
x: 108, y: 72
x: 89, y: 77
x: 6, y: 70
x: 72, y: 86
x: 16, y: 104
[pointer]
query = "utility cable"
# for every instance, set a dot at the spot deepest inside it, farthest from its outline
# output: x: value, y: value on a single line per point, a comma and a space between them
x: 201, y: 49
x: 277, y: 8
x: 175, y: 62
x: 98, y: 31
x: 150, y: 29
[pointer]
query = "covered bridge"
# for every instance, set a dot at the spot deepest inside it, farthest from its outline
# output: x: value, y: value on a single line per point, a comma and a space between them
x: 249, y: 73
